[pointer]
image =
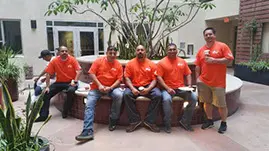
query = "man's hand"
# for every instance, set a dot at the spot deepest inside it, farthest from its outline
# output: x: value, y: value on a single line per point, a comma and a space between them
x: 135, y: 91
x: 46, y: 90
x: 171, y: 91
x: 107, y: 89
x: 43, y: 80
x: 145, y: 91
x: 73, y: 83
x: 36, y: 79
x: 101, y: 88
x: 209, y: 59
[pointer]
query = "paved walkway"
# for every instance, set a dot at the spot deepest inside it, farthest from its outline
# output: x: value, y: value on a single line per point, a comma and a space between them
x: 247, y: 130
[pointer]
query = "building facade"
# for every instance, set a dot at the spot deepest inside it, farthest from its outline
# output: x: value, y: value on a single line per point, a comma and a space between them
x: 24, y: 26
x: 254, y: 15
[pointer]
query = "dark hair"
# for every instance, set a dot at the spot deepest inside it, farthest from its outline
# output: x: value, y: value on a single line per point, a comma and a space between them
x: 172, y: 44
x: 210, y: 28
x: 109, y: 48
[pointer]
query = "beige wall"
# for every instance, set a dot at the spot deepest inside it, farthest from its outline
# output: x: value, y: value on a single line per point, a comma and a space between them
x: 224, y: 8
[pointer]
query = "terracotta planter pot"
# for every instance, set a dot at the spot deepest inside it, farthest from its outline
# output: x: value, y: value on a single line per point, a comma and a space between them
x: 12, y: 86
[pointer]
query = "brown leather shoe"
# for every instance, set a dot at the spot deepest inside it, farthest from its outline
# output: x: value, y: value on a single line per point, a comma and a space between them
x: 133, y: 126
x: 152, y: 127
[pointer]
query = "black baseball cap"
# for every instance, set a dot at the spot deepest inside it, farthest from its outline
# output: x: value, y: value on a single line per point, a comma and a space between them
x: 44, y: 53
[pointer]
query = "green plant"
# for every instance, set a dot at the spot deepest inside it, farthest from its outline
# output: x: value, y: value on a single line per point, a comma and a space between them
x: 251, y: 26
x: 141, y: 22
x: 8, y: 69
x: 257, y: 66
x: 16, y: 133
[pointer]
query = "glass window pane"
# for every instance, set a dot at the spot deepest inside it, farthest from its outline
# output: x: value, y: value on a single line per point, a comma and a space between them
x: 101, y: 40
x: 87, y: 43
x: 49, y: 23
x: 0, y: 32
x: 66, y: 39
x: 81, y: 24
x: 12, y: 33
x: 50, y: 39
x: 1, y: 44
x: 100, y: 24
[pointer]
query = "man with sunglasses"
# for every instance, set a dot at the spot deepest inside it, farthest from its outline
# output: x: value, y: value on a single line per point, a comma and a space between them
x: 170, y: 74
x: 67, y: 71
x: 141, y: 80
x: 106, y: 74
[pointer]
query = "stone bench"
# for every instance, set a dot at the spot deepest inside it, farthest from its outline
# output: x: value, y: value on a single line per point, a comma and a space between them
x: 104, y: 104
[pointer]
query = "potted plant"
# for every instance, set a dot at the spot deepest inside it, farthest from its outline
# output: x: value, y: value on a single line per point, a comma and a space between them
x: 255, y: 70
x: 28, y: 71
x: 9, y: 71
x: 15, y: 132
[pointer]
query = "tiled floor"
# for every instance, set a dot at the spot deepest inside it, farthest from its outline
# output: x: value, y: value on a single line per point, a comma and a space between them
x: 247, y: 130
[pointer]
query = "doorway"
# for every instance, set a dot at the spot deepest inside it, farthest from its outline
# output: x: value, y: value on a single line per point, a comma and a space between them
x: 80, y: 41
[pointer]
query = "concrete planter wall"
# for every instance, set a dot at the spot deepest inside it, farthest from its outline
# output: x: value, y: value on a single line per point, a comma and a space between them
x: 245, y: 73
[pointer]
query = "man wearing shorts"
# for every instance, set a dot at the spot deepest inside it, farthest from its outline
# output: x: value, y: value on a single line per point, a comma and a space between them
x: 211, y: 62
x: 106, y: 74
x: 141, y: 80
x: 171, y: 71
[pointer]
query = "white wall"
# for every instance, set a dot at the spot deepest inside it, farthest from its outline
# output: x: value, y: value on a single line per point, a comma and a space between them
x: 224, y: 8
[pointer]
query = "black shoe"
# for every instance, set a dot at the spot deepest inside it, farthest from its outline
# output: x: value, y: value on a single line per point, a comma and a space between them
x: 222, y: 128
x: 112, y: 124
x: 41, y: 119
x: 187, y: 127
x: 208, y: 124
x: 152, y: 127
x: 64, y: 115
x: 133, y: 126
x: 85, y: 136
x: 167, y: 128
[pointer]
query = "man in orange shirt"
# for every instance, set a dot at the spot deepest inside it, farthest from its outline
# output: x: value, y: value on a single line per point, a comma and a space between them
x: 106, y: 73
x: 211, y: 62
x: 140, y: 79
x: 67, y: 71
x: 170, y: 74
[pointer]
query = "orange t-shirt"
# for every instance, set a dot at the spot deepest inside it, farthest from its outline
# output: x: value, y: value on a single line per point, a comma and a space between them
x: 140, y: 73
x: 214, y: 74
x: 173, y: 71
x: 106, y: 72
x: 65, y: 70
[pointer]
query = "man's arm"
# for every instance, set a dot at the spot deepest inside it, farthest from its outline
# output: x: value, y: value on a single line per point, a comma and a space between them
x: 77, y: 75
x: 41, y: 74
x: 197, y: 71
x: 96, y: 81
x: 189, y: 80
x: 163, y: 84
x: 218, y: 60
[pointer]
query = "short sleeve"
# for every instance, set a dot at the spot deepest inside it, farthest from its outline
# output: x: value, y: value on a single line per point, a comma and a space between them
x: 159, y: 71
x: 94, y: 67
x: 187, y: 70
x: 153, y: 71
x: 120, y: 74
x: 198, y: 59
x: 76, y: 65
x: 227, y: 52
x: 127, y: 71
x: 50, y: 68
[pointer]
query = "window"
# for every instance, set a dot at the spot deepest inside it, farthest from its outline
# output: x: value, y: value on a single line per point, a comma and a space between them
x: 10, y: 35
x: 265, y: 38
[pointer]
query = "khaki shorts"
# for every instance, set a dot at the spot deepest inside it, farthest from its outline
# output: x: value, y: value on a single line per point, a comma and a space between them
x: 214, y: 95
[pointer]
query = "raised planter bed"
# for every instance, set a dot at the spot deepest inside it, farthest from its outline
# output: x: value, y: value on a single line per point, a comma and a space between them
x: 245, y: 73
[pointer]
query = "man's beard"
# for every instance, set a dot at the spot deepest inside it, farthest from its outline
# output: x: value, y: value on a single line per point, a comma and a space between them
x: 140, y: 55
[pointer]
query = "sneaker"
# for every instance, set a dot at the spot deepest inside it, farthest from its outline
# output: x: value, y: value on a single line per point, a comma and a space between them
x: 85, y: 136
x: 152, y: 127
x: 167, y: 128
x: 208, y: 124
x: 41, y: 119
x: 222, y: 128
x: 112, y: 124
x: 187, y: 127
x: 133, y: 126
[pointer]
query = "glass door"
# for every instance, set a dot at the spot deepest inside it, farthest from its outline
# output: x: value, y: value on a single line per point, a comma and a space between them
x: 87, y: 39
x: 65, y: 37
x: 80, y: 41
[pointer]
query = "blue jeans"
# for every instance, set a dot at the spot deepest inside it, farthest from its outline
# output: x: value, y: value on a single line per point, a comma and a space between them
x: 188, y: 111
x: 154, y: 95
x: 93, y: 96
